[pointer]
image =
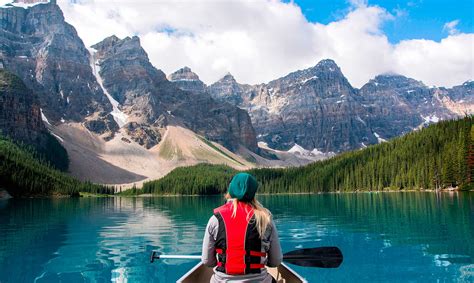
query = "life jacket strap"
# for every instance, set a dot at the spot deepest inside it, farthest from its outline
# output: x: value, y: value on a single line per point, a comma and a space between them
x: 259, y: 254
x: 256, y: 265
x: 221, y: 258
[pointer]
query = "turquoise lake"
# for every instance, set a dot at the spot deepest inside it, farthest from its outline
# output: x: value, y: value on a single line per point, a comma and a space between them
x: 385, y: 237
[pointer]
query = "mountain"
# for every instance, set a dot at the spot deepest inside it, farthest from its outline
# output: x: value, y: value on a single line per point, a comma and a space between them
x: 318, y: 110
x: 459, y: 99
x: 151, y: 102
x: 397, y: 105
x: 463, y: 93
x: 314, y: 108
x: 109, y: 106
x: 229, y: 91
x: 38, y: 45
x: 47, y: 54
x: 21, y: 121
x: 187, y: 80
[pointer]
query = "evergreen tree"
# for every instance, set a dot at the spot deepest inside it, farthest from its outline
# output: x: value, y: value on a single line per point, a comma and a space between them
x: 436, y: 157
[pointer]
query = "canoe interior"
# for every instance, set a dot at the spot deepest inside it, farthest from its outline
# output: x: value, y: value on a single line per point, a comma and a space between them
x: 202, y: 274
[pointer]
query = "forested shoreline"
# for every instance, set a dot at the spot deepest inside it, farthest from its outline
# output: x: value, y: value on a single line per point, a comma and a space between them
x: 23, y: 174
x: 437, y: 157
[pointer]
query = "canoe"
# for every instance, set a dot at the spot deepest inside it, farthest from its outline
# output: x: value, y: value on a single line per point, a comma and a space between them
x: 202, y: 274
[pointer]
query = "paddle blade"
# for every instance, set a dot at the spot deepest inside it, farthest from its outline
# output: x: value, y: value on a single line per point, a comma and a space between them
x: 154, y: 255
x: 324, y: 257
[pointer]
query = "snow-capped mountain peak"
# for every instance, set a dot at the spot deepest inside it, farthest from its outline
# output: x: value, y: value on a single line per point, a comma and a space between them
x: 23, y: 3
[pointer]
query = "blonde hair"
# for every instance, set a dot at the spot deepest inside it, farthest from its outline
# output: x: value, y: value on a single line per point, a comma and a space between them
x: 262, y: 215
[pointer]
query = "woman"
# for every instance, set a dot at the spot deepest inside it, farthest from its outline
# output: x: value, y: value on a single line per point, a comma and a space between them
x: 241, y: 238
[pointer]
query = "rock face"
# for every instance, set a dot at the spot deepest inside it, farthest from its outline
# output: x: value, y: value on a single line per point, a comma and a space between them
x: 317, y: 108
x: 20, y: 113
x: 397, y: 105
x: 185, y: 79
x: 459, y: 99
x: 46, y: 53
x: 228, y: 89
x: 111, y: 87
x: 21, y: 120
x: 463, y: 93
x: 151, y: 101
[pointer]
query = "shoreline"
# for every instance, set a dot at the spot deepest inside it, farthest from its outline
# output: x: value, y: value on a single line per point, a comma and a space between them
x: 5, y: 196
x: 306, y: 193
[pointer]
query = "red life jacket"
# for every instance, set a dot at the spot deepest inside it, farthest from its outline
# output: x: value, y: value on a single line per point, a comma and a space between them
x: 238, y: 244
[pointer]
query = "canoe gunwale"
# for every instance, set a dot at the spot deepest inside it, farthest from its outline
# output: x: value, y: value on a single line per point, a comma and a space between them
x: 187, y: 274
x: 201, y: 265
x: 303, y: 280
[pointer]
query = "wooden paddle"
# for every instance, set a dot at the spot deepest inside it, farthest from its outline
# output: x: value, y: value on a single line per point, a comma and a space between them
x: 324, y: 257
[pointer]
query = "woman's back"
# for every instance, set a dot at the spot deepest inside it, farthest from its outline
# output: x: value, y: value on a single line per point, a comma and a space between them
x: 241, y: 238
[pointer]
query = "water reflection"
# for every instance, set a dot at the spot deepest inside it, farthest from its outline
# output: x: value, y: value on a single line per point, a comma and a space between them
x: 389, y: 237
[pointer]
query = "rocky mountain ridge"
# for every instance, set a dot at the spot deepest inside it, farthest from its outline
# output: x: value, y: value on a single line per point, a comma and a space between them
x: 108, y: 87
x: 318, y: 109
x: 187, y: 80
x: 151, y: 102
x: 110, y: 107
x: 47, y: 54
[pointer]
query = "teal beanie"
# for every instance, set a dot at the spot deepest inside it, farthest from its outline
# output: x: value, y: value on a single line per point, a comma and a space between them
x: 243, y: 187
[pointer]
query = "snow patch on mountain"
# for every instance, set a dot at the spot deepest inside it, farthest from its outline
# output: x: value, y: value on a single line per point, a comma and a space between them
x: 10, y: 4
x: 56, y: 136
x: 379, y: 138
x: 430, y: 119
x: 360, y: 120
x: 297, y: 149
x: 316, y: 152
x: 308, y: 79
x: 119, y: 116
x: 43, y: 117
x: 185, y: 80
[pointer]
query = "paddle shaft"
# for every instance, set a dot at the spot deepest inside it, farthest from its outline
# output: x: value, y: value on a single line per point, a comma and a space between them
x: 177, y: 257
x: 325, y: 257
x: 161, y: 256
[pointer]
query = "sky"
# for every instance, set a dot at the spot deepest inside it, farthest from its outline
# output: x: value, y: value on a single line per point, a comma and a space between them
x: 416, y: 18
x: 261, y: 40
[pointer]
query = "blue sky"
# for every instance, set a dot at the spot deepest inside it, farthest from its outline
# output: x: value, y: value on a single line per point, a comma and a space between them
x: 417, y: 19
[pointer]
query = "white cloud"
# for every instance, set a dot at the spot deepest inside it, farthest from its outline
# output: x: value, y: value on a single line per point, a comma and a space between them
x: 258, y: 41
x: 450, y: 27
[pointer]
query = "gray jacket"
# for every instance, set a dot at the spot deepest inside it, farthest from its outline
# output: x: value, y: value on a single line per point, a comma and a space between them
x: 270, y: 245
